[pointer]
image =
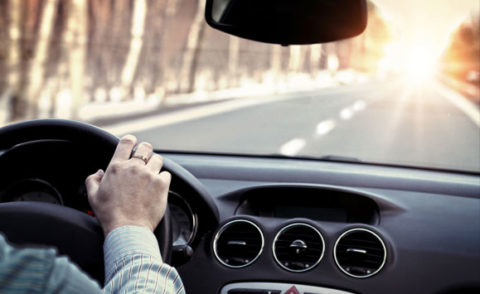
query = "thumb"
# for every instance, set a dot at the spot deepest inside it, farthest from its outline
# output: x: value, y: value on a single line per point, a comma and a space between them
x: 93, y: 182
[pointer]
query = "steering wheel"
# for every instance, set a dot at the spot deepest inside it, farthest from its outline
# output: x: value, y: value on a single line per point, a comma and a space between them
x: 72, y: 232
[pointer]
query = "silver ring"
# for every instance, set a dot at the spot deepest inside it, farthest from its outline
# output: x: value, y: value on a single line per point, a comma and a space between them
x: 141, y: 157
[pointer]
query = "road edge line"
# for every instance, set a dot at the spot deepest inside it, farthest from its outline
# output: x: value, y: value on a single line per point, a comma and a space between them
x: 461, y: 102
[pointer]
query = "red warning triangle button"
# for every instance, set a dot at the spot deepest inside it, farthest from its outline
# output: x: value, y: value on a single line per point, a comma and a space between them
x: 292, y: 290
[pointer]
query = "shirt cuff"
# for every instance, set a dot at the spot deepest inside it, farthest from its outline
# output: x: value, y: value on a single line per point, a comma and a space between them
x: 129, y: 240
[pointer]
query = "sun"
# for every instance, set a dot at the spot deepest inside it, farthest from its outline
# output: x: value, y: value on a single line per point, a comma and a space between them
x: 420, y: 63
x: 421, y: 30
x: 415, y: 60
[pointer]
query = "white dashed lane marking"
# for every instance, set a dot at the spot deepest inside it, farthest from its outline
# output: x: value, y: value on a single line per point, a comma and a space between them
x: 359, y: 105
x: 346, y: 114
x: 325, y: 127
x: 292, y: 147
x: 349, y: 112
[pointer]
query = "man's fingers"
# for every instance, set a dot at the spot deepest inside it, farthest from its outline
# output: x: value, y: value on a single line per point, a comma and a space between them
x: 155, y: 163
x: 166, y: 177
x: 93, y: 181
x: 143, y: 153
x: 124, y: 148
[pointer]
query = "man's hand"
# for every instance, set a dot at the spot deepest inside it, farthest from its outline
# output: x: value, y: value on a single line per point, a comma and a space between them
x: 131, y: 191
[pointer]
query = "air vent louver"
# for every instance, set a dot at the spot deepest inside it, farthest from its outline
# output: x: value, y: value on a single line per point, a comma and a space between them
x: 360, y: 253
x: 298, y: 247
x: 238, y: 243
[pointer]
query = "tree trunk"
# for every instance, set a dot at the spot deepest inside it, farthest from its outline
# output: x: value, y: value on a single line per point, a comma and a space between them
x: 233, y: 54
x: 76, y: 37
x: 332, y: 59
x: 100, y: 60
x: 192, y: 50
x: 120, y: 33
x: 13, y: 61
x: 276, y: 64
x: 167, y: 73
x: 295, y: 58
x: 149, y: 68
x: 36, y: 74
x: 136, y: 42
x: 315, y: 56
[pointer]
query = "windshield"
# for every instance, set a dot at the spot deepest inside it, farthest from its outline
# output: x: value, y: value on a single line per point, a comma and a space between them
x: 405, y: 92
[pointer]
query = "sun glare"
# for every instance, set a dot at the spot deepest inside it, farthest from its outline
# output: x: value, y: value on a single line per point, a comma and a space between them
x: 416, y: 60
x: 420, y: 64
x: 420, y: 34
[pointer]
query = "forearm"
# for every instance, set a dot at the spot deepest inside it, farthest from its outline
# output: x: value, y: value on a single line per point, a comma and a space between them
x: 133, y: 263
x: 41, y: 271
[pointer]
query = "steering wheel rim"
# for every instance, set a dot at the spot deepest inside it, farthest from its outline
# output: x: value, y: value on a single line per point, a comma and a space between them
x: 85, y: 236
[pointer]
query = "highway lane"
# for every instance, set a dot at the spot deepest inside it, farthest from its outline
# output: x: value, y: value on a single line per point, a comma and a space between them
x: 384, y: 122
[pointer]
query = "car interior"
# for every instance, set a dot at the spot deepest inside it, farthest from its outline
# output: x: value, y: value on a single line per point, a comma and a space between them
x: 252, y: 224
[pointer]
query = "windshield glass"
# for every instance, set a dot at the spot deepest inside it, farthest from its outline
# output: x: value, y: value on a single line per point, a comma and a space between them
x: 405, y: 92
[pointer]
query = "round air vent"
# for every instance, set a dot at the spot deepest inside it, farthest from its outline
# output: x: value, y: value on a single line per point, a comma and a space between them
x: 298, y: 247
x: 360, y: 253
x: 238, y: 243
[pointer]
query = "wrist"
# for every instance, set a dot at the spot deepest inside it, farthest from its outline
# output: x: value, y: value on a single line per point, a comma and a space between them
x: 108, y: 228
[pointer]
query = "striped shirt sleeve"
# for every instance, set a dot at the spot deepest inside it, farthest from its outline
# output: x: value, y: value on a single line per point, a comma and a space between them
x: 31, y: 270
x: 133, y: 264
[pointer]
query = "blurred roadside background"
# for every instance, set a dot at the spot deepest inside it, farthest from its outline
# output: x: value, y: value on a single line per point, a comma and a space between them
x: 97, y: 60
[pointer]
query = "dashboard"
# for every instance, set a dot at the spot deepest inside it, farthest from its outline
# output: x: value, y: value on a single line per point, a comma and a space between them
x: 289, y: 226
x: 301, y: 226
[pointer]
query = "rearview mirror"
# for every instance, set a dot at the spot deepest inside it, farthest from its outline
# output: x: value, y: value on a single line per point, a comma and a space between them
x: 288, y: 22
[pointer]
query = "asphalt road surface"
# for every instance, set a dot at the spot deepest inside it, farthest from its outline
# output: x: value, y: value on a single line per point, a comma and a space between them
x: 391, y: 122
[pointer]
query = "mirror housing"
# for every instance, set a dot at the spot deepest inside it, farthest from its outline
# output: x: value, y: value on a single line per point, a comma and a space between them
x: 288, y: 22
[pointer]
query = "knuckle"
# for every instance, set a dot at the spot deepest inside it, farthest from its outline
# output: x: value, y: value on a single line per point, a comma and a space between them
x: 168, y: 175
x: 160, y: 181
x: 128, y: 139
x: 158, y: 158
x: 165, y: 179
x: 143, y: 173
x: 150, y: 177
x: 114, y: 167
x: 147, y: 145
x: 135, y: 169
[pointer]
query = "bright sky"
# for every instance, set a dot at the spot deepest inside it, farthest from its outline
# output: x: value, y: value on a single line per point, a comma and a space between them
x: 422, y: 30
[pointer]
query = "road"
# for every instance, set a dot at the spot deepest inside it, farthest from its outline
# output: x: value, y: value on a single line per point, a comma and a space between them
x: 384, y: 122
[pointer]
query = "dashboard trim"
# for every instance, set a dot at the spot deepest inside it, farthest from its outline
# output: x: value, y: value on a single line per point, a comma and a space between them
x: 282, y: 287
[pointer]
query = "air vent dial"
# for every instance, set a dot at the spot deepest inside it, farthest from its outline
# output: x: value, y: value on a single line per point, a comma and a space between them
x: 298, y: 247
